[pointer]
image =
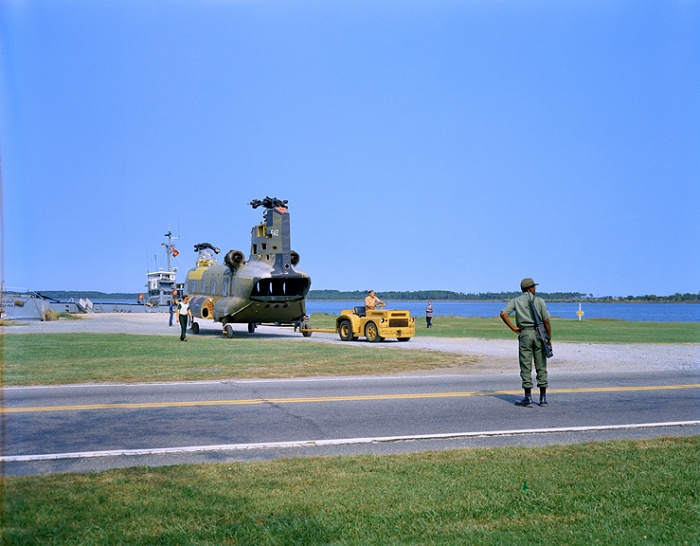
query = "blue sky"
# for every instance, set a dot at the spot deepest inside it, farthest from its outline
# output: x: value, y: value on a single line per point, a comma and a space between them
x: 457, y: 145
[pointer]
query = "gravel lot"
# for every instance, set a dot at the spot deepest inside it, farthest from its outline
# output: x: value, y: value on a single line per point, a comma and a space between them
x: 494, y: 356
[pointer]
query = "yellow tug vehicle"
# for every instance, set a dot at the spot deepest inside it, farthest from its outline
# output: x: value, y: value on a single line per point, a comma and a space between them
x: 375, y: 325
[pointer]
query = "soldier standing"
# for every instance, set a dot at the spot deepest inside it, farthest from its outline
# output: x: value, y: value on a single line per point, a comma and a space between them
x: 529, y: 346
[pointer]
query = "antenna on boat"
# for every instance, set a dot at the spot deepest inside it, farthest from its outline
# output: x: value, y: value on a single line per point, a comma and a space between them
x: 169, y: 250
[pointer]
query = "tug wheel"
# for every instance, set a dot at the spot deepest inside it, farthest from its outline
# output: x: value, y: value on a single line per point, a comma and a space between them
x: 403, y: 338
x: 372, y: 332
x: 345, y: 330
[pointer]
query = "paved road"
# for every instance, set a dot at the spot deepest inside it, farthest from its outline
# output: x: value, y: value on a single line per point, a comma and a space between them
x: 83, y: 428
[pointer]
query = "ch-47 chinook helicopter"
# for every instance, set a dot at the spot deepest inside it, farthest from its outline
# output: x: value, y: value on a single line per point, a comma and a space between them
x: 266, y: 289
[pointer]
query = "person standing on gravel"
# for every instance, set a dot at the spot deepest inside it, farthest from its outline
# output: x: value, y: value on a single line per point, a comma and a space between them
x: 184, y: 313
x: 429, y: 315
x: 173, y: 310
x: 529, y: 346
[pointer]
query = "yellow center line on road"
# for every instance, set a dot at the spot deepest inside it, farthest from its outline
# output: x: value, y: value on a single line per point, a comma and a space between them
x: 406, y: 396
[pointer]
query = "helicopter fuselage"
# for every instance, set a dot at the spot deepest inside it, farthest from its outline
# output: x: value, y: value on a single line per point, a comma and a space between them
x: 265, y: 289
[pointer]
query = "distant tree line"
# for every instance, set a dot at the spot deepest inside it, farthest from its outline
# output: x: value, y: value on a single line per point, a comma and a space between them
x: 435, y: 295
x: 447, y: 295
x: 675, y: 298
x: 339, y: 295
x: 418, y: 295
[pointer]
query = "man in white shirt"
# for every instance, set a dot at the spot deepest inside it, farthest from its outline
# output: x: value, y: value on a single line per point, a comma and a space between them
x: 183, y: 313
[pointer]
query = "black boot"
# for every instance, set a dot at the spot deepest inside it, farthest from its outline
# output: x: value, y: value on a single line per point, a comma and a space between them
x: 527, y: 401
x: 543, y: 396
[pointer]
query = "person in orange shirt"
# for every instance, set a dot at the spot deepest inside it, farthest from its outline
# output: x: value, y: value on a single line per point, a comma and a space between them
x: 371, y: 301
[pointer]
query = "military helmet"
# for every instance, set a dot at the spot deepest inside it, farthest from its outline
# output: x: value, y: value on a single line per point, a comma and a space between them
x: 527, y: 283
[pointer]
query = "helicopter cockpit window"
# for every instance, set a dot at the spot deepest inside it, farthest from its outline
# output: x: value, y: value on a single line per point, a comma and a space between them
x: 206, y: 258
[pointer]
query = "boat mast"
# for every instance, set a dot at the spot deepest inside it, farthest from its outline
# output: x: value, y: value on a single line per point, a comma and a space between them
x: 169, y: 246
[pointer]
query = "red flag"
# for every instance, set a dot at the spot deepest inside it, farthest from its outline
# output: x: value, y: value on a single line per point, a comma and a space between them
x: 175, y: 251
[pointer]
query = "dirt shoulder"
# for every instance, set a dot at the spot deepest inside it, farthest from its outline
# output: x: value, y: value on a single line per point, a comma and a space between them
x: 493, y: 356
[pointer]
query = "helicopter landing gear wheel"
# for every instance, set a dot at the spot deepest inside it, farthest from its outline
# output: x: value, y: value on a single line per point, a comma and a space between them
x: 305, y: 326
x: 251, y: 327
x: 195, y: 328
x: 228, y: 331
x: 372, y: 332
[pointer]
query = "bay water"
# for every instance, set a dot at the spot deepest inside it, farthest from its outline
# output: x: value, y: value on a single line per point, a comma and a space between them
x: 653, y: 312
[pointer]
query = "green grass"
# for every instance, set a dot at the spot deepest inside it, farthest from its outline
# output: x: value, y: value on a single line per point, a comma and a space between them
x: 48, y: 359
x: 78, y: 358
x: 585, y: 331
x: 624, y: 492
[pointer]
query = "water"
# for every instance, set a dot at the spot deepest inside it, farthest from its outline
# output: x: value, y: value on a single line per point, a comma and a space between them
x: 654, y: 312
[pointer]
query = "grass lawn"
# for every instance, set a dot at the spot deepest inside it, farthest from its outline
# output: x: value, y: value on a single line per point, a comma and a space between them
x: 78, y: 358
x: 48, y: 359
x: 585, y: 331
x: 625, y: 492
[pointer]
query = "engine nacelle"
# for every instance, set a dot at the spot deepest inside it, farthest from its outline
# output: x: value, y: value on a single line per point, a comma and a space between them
x: 234, y: 258
x: 202, y: 307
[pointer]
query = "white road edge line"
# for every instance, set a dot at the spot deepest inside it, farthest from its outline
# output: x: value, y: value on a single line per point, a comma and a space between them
x: 338, y: 442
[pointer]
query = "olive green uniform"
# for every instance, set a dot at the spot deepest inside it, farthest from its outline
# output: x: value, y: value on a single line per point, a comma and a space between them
x: 529, y: 345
